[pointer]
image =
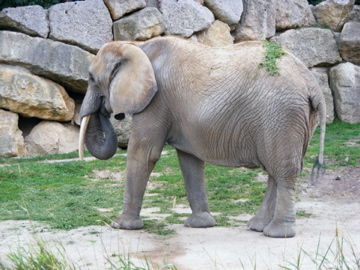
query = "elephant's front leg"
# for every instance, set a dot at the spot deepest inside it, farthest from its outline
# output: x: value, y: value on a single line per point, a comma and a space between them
x: 193, y: 172
x: 142, y: 156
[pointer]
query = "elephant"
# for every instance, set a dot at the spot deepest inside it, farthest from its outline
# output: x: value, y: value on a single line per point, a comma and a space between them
x: 212, y: 104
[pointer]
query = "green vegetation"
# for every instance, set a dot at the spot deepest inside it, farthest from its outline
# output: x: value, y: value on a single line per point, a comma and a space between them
x: 333, y: 257
x: 273, y: 52
x: 38, y: 258
x: 342, y: 146
x: 67, y: 195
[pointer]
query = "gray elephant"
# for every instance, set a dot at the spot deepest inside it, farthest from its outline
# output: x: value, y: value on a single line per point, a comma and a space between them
x: 216, y: 105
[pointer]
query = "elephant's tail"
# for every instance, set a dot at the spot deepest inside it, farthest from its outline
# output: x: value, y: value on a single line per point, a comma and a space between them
x: 318, y: 104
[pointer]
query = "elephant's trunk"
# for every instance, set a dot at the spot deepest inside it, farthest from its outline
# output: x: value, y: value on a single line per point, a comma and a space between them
x: 96, y: 130
x: 100, y: 137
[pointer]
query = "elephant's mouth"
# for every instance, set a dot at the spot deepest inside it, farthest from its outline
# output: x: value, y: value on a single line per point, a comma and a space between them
x: 97, y: 133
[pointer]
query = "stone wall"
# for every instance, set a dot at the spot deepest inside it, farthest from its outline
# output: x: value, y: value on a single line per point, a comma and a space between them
x: 45, y: 54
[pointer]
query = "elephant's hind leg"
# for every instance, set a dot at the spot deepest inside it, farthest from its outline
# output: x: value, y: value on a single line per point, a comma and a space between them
x: 266, y: 212
x: 193, y: 172
x: 283, y: 223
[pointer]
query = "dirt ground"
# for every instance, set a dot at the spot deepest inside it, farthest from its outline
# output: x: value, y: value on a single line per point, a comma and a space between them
x: 334, y: 205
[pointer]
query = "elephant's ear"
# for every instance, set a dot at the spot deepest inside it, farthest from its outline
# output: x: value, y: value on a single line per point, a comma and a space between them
x: 133, y: 83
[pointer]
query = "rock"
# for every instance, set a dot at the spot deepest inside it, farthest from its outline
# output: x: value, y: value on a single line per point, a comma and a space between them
x: 333, y: 13
x: 293, y: 14
x: 257, y: 21
x: 11, y: 139
x: 52, y: 138
x: 323, y: 80
x: 314, y: 46
x: 32, y: 96
x: 153, y: 3
x: 62, y: 63
x: 228, y: 11
x: 83, y: 23
x: 345, y: 84
x: 217, y: 35
x: 77, y: 119
x: 184, y: 17
x: 349, y: 42
x: 31, y: 20
x: 122, y: 129
x: 119, y: 8
x: 141, y: 25
x: 354, y: 15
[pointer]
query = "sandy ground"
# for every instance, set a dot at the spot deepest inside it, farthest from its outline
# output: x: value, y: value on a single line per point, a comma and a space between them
x: 334, y: 205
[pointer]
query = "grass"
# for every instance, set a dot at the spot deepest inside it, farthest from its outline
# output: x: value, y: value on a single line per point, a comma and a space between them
x: 273, y: 51
x: 340, y: 254
x: 39, y: 257
x: 68, y: 195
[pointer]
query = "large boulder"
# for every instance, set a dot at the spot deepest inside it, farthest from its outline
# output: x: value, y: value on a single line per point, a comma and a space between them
x: 141, y: 25
x: 65, y: 64
x: 354, y: 15
x: 32, y: 96
x: 11, y: 139
x: 349, y: 42
x: 52, y: 138
x: 314, y: 46
x: 31, y: 20
x: 293, y: 14
x: 122, y: 129
x: 184, y: 17
x: 119, y: 8
x: 323, y: 80
x: 345, y: 84
x: 217, y: 35
x: 228, y: 11
x: 83, y: 23
x: 257, y: 21
x: 333, y: 13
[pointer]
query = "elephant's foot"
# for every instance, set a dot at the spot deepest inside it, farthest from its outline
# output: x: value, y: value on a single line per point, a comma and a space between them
x: 127, y: 223
x: 200, y: 220
x: 279, y: 229
x: 257, y: 223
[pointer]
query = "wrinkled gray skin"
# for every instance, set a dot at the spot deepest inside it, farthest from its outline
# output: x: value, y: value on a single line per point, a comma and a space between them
x: 216, y: 105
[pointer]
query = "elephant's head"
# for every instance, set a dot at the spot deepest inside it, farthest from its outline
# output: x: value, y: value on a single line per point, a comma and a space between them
x: 121, y: 80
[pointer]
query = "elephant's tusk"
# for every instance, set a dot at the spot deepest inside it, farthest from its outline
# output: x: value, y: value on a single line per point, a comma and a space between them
x: 83, y: 127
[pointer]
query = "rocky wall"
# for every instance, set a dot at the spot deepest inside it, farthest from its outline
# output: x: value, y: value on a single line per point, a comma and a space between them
x: 45, y: 55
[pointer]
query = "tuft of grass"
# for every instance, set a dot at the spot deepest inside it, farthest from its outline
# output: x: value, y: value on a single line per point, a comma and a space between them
x: 334, y: 256
x: 120, y: 262
x: 273, y: 51
x: 39, y: 258
x: 303, y: 213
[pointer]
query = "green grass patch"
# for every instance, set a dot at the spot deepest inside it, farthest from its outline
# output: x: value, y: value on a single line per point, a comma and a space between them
x: 338, y: 150
x: 68, y: 195
x: 273, y: 51
x: 39, y: 257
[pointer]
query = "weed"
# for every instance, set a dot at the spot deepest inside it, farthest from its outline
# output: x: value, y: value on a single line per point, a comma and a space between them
x: 303, y: 213
x: 39, y: 258
x: 332, y: 258
x: 273, y: 51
